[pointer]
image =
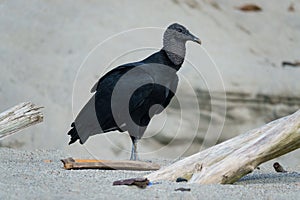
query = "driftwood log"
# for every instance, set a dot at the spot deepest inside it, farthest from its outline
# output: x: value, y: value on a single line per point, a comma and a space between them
x: 71, y: 163
x: 19, y: 117
x: 227, y: 162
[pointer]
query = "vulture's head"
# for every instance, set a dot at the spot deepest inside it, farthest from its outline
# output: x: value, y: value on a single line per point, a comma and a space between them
x: 178, y: 33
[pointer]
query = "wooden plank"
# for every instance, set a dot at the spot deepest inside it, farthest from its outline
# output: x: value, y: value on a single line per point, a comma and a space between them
x: 71, y: 163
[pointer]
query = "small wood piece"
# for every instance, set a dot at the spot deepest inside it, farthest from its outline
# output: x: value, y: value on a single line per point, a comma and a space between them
x: 291, y: 64
x: 183, y: 189
x: 278, y: 168
x: 71, y: 163
x: 291, y: 8
x: 250, y: 8
x: 139, y: 182
x: 179, y: 179
x: 19, y: 117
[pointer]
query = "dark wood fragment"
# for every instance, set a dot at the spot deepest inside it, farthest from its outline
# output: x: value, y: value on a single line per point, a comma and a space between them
x: 250, y: 8
x: 291, y: 64
x: 139, y: 182
x: 278, y: 168
x: 180, y: 179
x: 183, y: 189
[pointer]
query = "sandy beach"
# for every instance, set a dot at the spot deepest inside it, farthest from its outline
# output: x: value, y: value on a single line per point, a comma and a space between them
x: 30, y: 175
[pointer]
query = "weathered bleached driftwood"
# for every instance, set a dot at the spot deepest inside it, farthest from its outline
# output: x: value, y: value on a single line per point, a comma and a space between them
x: 229, y: 161
x: 19, y: 117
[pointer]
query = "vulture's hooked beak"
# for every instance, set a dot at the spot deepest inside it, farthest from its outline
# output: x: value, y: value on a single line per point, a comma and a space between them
x: 195, y: 39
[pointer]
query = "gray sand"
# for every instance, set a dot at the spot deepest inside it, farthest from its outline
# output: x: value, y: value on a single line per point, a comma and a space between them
x: 25, y: 175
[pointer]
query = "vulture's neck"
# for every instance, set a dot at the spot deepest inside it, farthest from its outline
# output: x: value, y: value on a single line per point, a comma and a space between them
x: 175, y: 51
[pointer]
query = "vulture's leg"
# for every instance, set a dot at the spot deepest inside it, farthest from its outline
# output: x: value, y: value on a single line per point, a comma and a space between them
x: 134, y: 155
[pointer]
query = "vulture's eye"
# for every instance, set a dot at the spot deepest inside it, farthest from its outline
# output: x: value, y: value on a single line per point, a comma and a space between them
x: 180, y: 30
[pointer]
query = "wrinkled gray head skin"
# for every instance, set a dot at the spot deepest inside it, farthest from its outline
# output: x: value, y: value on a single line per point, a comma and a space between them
x: 180, y: 34
x: 174, y: 41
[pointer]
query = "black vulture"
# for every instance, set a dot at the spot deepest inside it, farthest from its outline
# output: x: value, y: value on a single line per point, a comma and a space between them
x: 128, y: 96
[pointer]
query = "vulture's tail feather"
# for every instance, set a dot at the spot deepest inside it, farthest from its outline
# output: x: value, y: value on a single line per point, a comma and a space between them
x: 74, y: 134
